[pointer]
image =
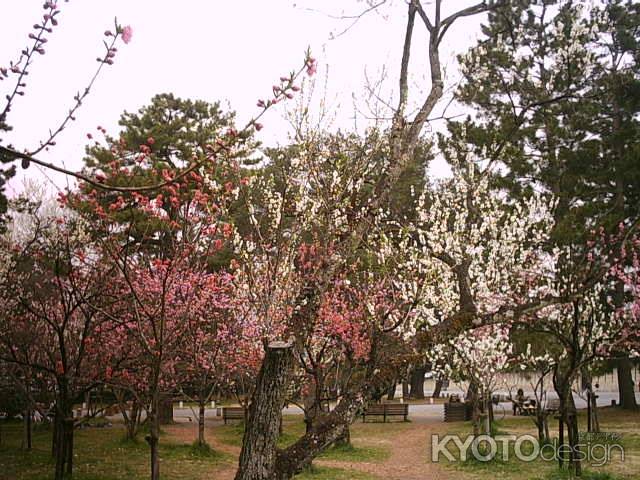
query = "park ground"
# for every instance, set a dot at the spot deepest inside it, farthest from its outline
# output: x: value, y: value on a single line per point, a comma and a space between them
x: 390, y: 451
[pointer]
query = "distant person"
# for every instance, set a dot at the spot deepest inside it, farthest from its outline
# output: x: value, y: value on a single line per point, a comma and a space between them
x: 519, y: 401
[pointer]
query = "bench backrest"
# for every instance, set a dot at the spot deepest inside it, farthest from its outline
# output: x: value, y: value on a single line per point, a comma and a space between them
x: 388, y: 408
x: 553, y: 404
x: 233, y: 412
x: 375, y: 409
x: 397, y: 408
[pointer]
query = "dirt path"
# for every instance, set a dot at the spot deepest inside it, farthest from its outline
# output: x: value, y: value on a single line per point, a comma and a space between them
x: 187, y: 433
x: 409, y: 459
x: 409, y: 447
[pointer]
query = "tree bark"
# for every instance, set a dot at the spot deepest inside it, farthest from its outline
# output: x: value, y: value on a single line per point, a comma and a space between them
x: 626, y: 388
x: 574, y: 441
x: 405, y: 389
x: 345, y: 439
x: 63, y: 445
x: 595, y: 422
x: 562, y: 384
x: 312, y: 408
x: 324, y: 433
x: 391, y: 392
x: 27, y: 426
x: 131, y: 417
x: 154, y: 437
x: 437, y: 389
x: 55, y: 436
x: 68, y: 433
x: 258, y: 455
x: 133, y: 423
x: 165, y: 411
x: 59, y: 450
x: 488, y: 415
x: 201, y: 414
x: 542, y: 422
x: 417, y: 382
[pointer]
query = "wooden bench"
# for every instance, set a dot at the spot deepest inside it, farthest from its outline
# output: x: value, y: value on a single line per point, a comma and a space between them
x: 386, y: 410
x: 457, y: 411
x: 232, y: 413
x: 552, y: 406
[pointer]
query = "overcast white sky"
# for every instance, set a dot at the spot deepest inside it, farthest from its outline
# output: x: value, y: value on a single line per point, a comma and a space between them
x: 211, y: 50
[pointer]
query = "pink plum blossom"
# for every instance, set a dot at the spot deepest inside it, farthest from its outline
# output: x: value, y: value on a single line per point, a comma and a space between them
x: 127, y: 33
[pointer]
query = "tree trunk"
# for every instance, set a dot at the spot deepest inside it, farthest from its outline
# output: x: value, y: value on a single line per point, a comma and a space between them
x: 55, y: 435
x: 165, y: 411
x: 325, y: 432
x: 132, y: 421
x: 542, y: 424
x: 201, y: 413
x: 312, y: 408
x: 154, y: 437
x: 391, y: 392
x: 546, y: 428
x: 574, y: 442
x: 437, y: 389
x: 258, y: 455
x: 562, y: 385
x: 345, y: 439
x: 625, y: 384
x: 69, y: 427
x: 595, y: 422
x: 27, y: 429
x: 487, y: 414
x: 59, y: 451
x: 153, y: 418
x: 405, y: 389
x: 417, y: 382
x: 130, y: 417
x: 476, y: 417
x: 63, y: 448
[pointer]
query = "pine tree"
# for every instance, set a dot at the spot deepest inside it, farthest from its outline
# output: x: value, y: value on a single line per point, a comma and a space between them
x: 556, y: 88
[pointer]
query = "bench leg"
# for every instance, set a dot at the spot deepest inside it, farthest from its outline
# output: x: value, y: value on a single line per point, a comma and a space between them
x: 384, y: 417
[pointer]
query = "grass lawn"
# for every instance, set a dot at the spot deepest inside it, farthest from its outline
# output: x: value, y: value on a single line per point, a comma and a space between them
x: 613, y: 421
x: 103, y: 454
x: 328, y: 473
x: 360, y: 449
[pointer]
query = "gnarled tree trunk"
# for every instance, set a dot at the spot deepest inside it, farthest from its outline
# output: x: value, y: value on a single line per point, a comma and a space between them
x: 258, y: 455
x: 327, y: 431
x: 625, y: 384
